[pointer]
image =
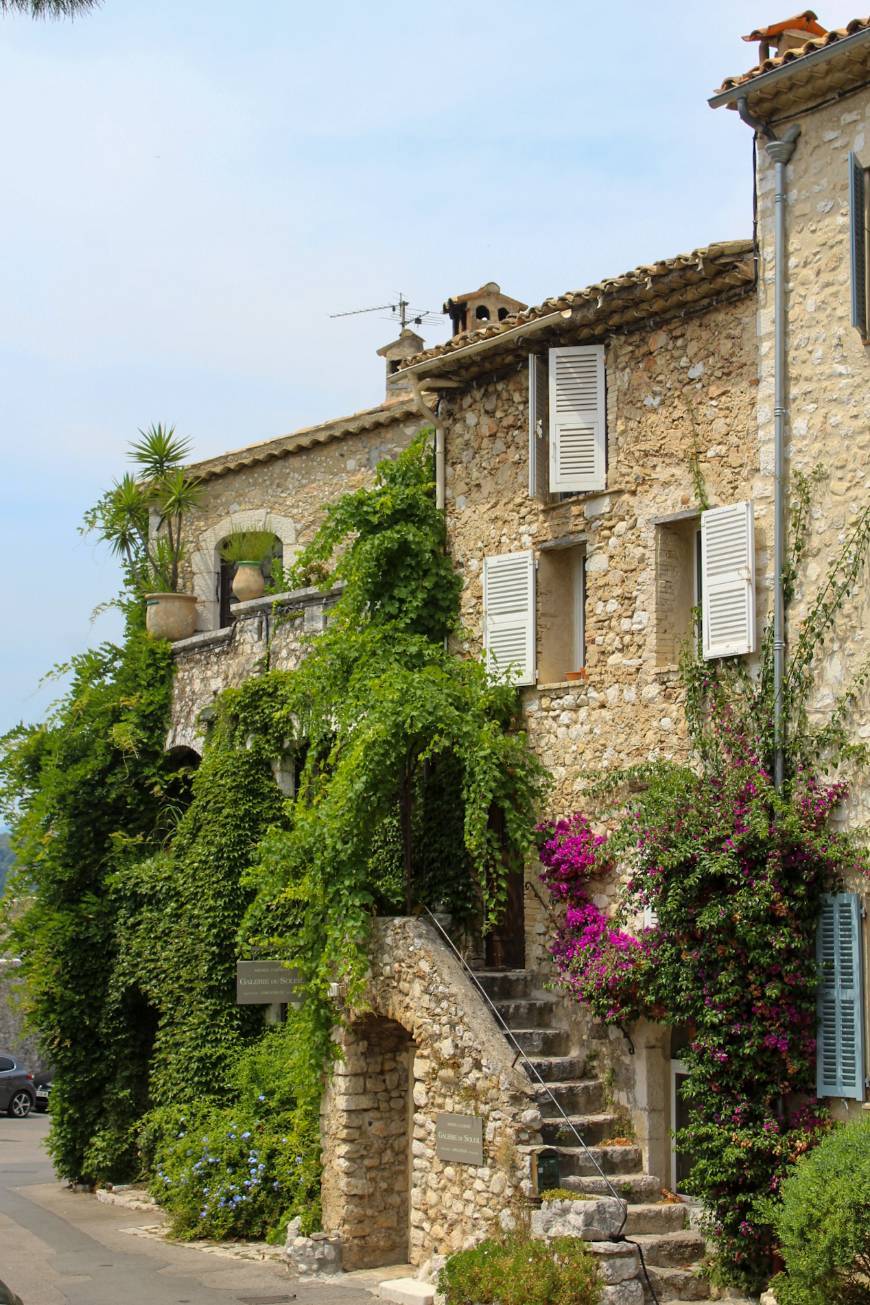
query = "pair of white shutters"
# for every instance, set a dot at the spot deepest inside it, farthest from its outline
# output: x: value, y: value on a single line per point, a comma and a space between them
x: 727, y: 596
x: 567, y: 421
x: 840, y: 1047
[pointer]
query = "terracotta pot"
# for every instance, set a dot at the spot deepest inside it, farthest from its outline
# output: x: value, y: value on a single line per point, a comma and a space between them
x: 248, y: 582
x: 582, y: 674
x: 170, y: 616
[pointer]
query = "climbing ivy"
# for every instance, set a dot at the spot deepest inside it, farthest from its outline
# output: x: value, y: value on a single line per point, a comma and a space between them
x: 84, y: 792
x: 140, y: 886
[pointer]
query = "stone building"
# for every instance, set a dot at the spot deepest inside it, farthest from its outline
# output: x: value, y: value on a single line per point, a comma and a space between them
x: 809, y: 106
x: 575, y: 440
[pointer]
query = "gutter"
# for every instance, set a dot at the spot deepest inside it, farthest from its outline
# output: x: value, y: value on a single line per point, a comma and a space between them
x: 764, y: 80
x: 478, y: 346
x: 780, y: 150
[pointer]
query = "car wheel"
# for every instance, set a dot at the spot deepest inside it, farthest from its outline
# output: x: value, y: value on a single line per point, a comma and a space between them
x: 21, y: 1105
x: 41, y: 1107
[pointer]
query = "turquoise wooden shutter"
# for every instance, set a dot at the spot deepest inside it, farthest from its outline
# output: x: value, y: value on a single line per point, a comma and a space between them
x: 840, y: 1052
x: 858, y: 239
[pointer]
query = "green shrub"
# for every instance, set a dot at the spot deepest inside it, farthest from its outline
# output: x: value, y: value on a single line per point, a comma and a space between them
x: 823, y: 1222
x: 522, y: 1272
x: 240, y: 1170
x: 230, y: 1172
x: 563, y: 1194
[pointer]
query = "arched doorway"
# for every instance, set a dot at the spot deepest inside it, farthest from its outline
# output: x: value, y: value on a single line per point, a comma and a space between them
x: 368, y: 1121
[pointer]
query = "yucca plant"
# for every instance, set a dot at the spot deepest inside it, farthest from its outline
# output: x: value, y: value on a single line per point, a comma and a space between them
x: 122, y: 518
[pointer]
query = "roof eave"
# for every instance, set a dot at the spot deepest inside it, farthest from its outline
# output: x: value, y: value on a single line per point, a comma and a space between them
x: 743, y: 89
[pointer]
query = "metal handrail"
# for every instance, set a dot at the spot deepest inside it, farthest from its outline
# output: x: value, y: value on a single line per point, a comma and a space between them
x: 531, y: 1070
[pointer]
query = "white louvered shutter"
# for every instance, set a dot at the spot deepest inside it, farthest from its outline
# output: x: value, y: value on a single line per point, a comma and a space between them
x: 728, y: 580
x: 539, y: 427
x: 578, y: 428
x: 509, y: 615
x: 840, y: 1053
x: 858, y: 239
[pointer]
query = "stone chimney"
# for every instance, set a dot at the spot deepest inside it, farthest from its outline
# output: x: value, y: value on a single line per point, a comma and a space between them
x: 395, y: 353
x: 482, y: 307
x: 790, y: 34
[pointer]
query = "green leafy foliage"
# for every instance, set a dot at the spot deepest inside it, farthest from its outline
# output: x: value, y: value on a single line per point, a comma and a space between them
x: 823, y: 1222
x: 520, y: 1271
x: 122, y: 517
x: 243, y: 1169
x: 247, y: 546
x: 401, y: 737
x: 83, y: 792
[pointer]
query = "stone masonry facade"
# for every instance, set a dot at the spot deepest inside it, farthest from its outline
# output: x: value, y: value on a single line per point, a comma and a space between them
x: 427, y: 1043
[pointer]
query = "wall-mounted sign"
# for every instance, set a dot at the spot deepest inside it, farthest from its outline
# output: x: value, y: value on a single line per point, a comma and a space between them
x: 459, y: 1139
x: 260, y: 983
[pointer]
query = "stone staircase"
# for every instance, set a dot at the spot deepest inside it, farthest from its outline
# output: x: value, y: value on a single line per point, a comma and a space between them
x: 671, y: 1249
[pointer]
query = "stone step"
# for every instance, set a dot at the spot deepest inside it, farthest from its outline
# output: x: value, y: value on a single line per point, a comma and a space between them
x: 506, y: 984
x: 581, y: 1097
x: 407, y: 1291
x: 554, y: 1069
x: 526, y: 1012
x: 541, y: 1042
x: 677, y: 1284
x: 634, y: 1188
x: 671, y: 1250
x: 612, y: 1159
x: 593, y: 1129
x: 656, y: 1217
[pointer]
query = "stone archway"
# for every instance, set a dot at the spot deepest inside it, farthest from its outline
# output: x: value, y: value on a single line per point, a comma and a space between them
x: 368, y: 1172
x: 205, y: 555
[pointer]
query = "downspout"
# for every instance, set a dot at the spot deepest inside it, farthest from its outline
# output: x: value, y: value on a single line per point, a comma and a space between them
x: 429, y: 415
x: 780, y: 151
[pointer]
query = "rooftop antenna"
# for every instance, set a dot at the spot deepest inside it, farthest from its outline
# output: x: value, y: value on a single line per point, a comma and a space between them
x: 400, y: 311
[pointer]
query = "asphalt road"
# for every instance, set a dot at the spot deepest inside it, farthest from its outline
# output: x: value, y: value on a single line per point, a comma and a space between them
x: 64, y: 1248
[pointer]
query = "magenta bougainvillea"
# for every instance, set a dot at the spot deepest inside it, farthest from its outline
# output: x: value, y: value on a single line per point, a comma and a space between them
x: 734, y: 872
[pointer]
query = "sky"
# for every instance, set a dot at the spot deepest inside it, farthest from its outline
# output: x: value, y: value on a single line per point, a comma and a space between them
x: 192, y: 187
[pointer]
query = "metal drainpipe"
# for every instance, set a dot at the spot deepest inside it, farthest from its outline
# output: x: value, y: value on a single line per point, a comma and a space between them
x: 780, y: 151
x: 429, y: 415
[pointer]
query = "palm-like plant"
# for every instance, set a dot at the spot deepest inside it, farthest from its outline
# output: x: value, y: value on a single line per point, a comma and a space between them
x: 48, y: 8
x: 151, y: 552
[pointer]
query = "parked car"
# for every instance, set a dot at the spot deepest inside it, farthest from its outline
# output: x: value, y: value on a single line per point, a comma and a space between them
x: 43, y: 1091
x: 8, y: 1297
x: 17, y: 1093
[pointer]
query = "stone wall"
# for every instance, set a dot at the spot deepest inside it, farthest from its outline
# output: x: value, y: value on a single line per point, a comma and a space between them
x: 271, y: 631
x: 828, y: 391
x: 285, y: 494
x: 685, y: 387
x: 427, y: 1042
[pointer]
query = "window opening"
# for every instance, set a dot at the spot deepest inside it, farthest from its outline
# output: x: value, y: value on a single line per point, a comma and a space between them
x: 562, y: 612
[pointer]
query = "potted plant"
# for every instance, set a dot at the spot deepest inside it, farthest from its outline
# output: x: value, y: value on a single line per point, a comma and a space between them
x: 141, y: 518
x: 247, y: 550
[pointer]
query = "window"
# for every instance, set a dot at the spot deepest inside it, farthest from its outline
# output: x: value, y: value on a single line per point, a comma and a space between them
x: 567, y: 421
x: 859, y: 235
x: 678, y: 584
x: 561, y: 610
x: 840, y: 1051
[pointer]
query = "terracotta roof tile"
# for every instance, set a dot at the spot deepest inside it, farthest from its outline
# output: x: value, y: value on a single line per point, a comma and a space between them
x: 793, y: 56
x: 646, y: 292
